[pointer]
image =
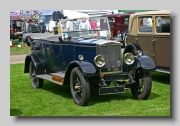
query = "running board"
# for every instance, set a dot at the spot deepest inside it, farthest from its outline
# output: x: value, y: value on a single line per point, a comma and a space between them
x: 57, y: 78
x: 161, y: 70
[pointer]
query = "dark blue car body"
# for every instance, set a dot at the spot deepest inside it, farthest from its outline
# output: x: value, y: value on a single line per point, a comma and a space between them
x: 57, y: 60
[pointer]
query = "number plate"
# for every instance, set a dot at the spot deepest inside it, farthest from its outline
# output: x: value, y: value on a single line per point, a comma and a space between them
x: 111, y: 90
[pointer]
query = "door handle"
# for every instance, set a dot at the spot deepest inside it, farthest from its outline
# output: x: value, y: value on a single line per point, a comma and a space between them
x: 153, y: 41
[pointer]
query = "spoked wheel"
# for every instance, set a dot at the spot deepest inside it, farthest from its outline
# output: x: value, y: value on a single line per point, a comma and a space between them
x: 143, y: 88
x: 80, y: 88
x: 35, y: 82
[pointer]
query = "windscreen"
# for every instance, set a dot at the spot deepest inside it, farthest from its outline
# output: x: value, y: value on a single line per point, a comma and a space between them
x: 46, y: 18
x: 85, y: 27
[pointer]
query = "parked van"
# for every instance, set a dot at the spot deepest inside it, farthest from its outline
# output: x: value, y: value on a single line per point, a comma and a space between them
x: 15, y: 28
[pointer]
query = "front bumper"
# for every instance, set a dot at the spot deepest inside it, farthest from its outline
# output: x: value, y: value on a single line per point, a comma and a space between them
x: 118, y: 76
x: 119, y: 87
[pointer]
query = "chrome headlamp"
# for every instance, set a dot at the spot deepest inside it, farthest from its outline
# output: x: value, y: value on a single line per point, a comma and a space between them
x: 129, y: 58
x: 99, y: 61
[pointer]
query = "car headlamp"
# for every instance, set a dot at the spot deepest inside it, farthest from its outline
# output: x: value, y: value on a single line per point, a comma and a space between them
x: 99, y: 61
x: 129, y: 58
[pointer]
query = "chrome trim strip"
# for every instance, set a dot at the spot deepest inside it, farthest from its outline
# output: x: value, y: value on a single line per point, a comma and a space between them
x: 110, y: 44
x: 114, y: 72
x: 69, y: 45
x: 168, y: 72
x: 84, y: 46
x: 106, y: 42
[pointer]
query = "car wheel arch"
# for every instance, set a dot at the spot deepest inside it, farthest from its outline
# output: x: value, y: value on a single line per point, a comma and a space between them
x: 74, y: 64
x: 133, y: 48
x: 68, y: 73
x: 38, y: 66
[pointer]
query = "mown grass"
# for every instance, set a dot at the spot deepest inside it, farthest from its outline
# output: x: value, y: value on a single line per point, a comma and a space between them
x: 20, y: 50
x: 55, y: 100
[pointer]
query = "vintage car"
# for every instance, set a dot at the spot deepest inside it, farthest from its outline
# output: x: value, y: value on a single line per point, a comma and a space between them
x: 119, y: 24
x: 150, y: 33
x: 15, y: 29
x: 87, y: 60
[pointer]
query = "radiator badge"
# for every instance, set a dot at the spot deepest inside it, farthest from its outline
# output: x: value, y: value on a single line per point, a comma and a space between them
x: 109, y: 43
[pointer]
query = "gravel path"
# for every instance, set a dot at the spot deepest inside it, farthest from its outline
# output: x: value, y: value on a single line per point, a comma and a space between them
x: 14, y: 59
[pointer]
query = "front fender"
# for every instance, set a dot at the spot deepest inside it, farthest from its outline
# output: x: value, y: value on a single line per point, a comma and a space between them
x: 145, y: 63
x: 87, y: 68
x: 38, y: 66
x: 132, y: 48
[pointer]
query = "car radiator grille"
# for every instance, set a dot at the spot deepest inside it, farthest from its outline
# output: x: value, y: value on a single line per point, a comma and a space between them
x: 112, y: 54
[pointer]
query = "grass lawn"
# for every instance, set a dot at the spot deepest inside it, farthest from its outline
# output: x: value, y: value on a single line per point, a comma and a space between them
x: 55, y: 100
x: 20, y: 50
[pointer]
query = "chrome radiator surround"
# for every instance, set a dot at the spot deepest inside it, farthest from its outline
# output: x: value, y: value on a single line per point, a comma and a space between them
x: 112, y: 53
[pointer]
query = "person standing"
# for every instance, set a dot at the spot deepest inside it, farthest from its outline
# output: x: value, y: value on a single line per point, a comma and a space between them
x: 41, y: 27
x: 150, y: 21
x: 161, y: 20
x: 25, y: 28
x: 51, y: 26
x: 89, y: 26
x: 98, y: 27
x: 93, y: 25
x: 69, y: 25
x: 84, y: 25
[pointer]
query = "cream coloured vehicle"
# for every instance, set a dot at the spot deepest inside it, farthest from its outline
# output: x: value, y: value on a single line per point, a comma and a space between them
x: 150, y: 33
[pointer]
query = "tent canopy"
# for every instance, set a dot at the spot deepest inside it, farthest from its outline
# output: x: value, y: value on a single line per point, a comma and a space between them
x: 134, y: 10
x: 74, y: 14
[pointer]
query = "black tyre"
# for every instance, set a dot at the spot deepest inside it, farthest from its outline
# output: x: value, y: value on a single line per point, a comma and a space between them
x: 80, y: 88
x: 144, y: 86
x: 35, y: 82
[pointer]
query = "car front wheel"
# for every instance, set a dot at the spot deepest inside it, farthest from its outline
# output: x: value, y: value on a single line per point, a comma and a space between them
x: 80, y: 88
x: 35, y: 82
x: 143, y: 88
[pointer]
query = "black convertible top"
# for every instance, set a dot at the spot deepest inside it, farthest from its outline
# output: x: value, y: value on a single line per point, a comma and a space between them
x: 44, y: 36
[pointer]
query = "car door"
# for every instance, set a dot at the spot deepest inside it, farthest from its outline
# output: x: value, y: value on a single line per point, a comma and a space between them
x: 55, y: 54
x: 45, y: 54
x: 39, y: 47
x: 162, y: 42
x: 145, y: 36
x: 68, y: 51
